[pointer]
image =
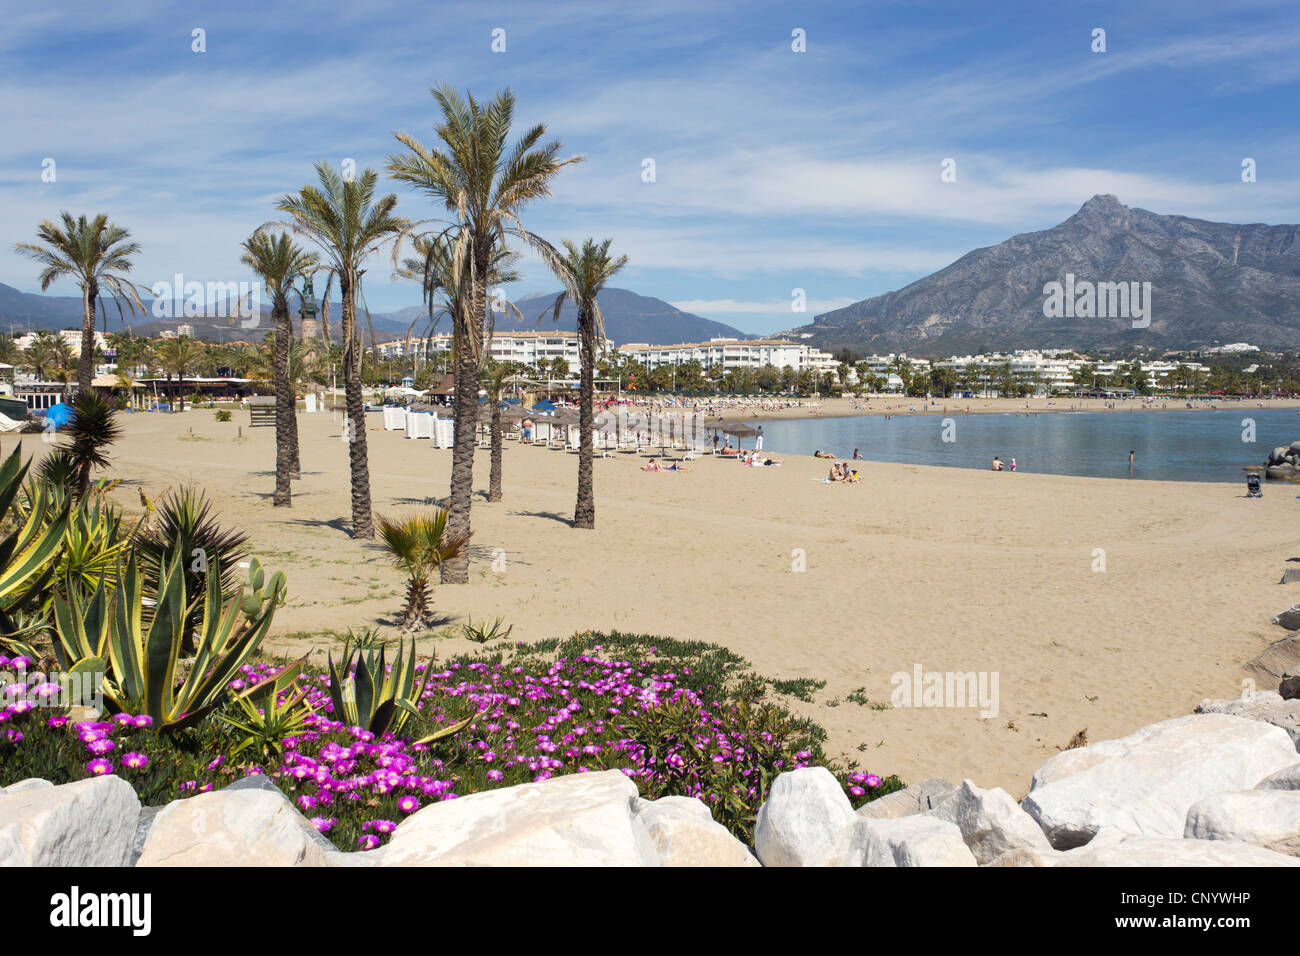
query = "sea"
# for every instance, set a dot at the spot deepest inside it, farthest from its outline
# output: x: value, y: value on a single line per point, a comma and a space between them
x: 1200, y: 445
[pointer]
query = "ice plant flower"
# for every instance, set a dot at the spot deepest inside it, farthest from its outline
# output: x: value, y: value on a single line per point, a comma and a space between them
x: 99, y: 766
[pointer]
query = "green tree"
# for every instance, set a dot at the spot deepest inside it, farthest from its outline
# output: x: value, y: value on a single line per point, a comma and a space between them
x: 347, y: 223
x: 96, y: 254
x: 278, y: 260
x: 482, y: 183
x: 179, y: 357
x: 583, y: 273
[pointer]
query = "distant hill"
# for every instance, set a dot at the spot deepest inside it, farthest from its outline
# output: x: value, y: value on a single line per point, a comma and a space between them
x: 1212, y: 283
x: 628, y: 318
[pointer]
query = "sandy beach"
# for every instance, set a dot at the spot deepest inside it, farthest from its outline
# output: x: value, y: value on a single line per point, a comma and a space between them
x: 952, y: 570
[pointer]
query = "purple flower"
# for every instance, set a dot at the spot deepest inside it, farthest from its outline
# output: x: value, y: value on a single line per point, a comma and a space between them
x: 142, y: 720
x: 871, y: 780
x: 324, y: 824
x: 101, y: 746
x: 135, y: 761
x: 99, y: 767
x: 408, y: 804
x: 367, y: 841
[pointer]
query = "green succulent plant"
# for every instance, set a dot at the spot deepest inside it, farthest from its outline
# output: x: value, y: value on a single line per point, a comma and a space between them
x: 140, y: 659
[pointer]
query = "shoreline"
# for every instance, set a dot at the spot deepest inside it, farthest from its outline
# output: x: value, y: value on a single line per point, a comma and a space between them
x: 835, y: 408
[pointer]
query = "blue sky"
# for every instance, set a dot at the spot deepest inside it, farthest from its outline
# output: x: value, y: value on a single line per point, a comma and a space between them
x: 775, y: 170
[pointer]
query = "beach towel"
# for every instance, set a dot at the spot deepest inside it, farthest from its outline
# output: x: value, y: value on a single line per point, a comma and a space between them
x: 7, y: 424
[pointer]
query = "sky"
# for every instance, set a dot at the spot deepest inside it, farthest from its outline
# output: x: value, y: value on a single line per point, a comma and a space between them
x: 775, y: 169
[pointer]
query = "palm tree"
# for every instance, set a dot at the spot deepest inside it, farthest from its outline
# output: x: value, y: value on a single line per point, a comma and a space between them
x: 496, y: 376
x: 177, y: 357
x: 345, y: 220
x: 482, y: 184
x: 278, y: 260
x: 92, y: 429
x: 418, y: 544
x: 585, y: 272
x: 96, y: 255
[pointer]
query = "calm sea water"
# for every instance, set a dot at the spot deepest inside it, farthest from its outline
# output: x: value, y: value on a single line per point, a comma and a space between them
x: 1170, y: 446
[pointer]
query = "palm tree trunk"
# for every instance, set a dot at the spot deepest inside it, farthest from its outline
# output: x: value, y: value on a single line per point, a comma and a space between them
x: 494, y: 480
x: 283, y: 497
x: 355, y: 422
x: 584, y: 514
x: 180, y: 389
x: 456, y: 570
x: 295, y: 463
x: 86, y: 364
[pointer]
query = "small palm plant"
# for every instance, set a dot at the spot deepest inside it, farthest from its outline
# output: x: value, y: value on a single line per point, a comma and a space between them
x: 93, y: 428
x: 419, y: 544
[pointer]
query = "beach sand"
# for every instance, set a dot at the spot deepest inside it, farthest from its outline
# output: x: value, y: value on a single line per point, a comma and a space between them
x: 954, y: 570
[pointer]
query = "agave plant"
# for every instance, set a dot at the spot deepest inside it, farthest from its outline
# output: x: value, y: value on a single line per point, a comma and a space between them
x: 184, y: 528
x: 419, y: 544
x: 28, y: 553
x: 94, y: 539
x: 140, y: 661
x: 269, y: 712
x: 371, y: 694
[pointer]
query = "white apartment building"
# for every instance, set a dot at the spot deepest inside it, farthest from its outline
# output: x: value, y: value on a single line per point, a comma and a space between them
x: 526, y: 348
x: 71, y: 336
x: 733, y: 354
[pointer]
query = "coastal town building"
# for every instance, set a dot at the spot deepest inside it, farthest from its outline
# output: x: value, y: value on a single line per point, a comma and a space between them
x: 731, y: 354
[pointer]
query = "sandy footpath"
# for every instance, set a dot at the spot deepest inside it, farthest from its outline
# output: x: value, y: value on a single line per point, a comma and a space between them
x: 951, y: 569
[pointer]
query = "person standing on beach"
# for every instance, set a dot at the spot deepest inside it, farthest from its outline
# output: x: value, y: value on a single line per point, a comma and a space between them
x: 758, y: 439
x: 1130, y: 462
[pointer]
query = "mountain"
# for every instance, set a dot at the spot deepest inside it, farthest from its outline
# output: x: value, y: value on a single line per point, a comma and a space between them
x: 1211, y: 283
x: 628, y: 318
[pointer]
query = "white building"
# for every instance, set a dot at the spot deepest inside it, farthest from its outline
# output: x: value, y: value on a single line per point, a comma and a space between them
x: 525, y: 348
x: 71, y: 336
x: 733, y: 354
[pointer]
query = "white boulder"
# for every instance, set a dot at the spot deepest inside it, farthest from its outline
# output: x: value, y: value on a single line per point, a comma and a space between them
x: 685, y: 834
x: 1267, y: 818
x: 1135, y: 850
x: 805, y: 813
x: 1265, y: 705
x: 912, y: 840
x: 85, y: 823
x: 573, y: 820
x: 990, y: 821
x: 1146, y: 782
x: 234, y: 828
x: 1288, y: 779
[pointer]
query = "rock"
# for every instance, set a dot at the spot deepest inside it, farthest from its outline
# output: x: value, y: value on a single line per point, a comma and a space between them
x: 685, y: 834
x: 1144, y: 783
x: 256, y: 781
x: 574, y: 820
x: 913, y: 840
x: 249, y: 827
x: 85, y: 823
x: 1288, y: 779
x: 1135, y: 850
x: 990, y: 821
x: 25, y: 786
x: 143, y: 827
x: 1282, y: 472
x: 1265, y: 705
x: 1267, y: 818
x: 805, y: 812
x: 918, y: 798
x: 1276, y: 661
x: 1289, y: 689
x: 1023, y: 856
x: 1290, y: 618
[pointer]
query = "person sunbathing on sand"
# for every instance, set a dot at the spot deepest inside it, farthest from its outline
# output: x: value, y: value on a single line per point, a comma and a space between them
x: 822, y: 454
